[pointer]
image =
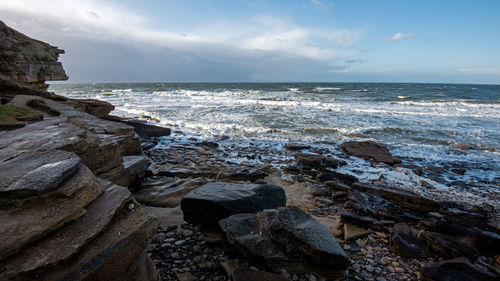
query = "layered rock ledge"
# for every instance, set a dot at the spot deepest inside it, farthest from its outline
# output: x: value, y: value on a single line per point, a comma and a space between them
x: 65, y: 208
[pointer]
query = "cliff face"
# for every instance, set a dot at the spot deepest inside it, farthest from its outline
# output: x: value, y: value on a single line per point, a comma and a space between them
x: 27, y: 60
x: 65, y: 210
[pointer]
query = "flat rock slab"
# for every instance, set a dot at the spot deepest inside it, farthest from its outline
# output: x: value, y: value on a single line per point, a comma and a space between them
x: 286, y: 238
x: 217, y: 200
x: 459, y: 269
x: 167, y: 216
x: 36, y: 173
x: 69, y: 240
x: 109, y: 255
x: 403, y: 198
x: 35, y: 218
x: 168, y: 195
x: 353, y: 232
x: 370, y: 150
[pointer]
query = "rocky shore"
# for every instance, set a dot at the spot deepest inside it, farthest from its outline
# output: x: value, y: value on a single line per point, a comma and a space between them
x: 89, y: 196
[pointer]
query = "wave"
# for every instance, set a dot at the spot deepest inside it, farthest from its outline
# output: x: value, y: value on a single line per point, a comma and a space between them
x: 321, y: 89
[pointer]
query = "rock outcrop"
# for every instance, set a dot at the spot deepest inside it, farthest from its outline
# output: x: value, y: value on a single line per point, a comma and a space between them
x: 286, y: 238
x: 27, y: 60
x: 65, y: 210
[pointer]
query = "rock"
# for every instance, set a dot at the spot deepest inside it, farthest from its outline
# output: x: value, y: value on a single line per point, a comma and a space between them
x: 28, y: 61
x: 65, y: 242
x: 166, y: 216
x: 31, y: 219
x: 337, y: 177
x: 246, y: 274
x: 384, y: 260
x: 186, y: 276
x: 353, y: 232
x: 297, y: 146
x: 316, y: 161
x: 141, y: 128
x: 41, y: 105
x: 168, y: 195
x: 249, y: 175
x: 36, y: 173
x: 370, y: 150
x: 217, y: 200
x: 459, y: 171
x: 448, y: 248
x: 404, y: 242
x: 97, y: 108
x: 459, y: 269
x: 130, y: 171
x: 337, y: 185
x: 286, y: 238
x: 403, y: 198
x: 364, y: 221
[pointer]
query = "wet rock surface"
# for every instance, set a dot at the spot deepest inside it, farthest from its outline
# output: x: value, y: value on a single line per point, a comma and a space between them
x: 365, y: 217
x: 212, y: 202
x: 289, y: 238
x: 370, y: 150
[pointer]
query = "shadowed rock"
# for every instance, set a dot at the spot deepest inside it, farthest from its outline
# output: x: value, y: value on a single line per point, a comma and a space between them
x: 459, y: 269
x: 404, y: 242
x: 69, y: 240
x: 286, y: 238
x: 217, y: 200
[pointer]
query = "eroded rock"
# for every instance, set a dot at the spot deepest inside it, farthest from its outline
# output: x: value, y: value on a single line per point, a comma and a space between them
x: 370, y: 150
x: 286, y: 238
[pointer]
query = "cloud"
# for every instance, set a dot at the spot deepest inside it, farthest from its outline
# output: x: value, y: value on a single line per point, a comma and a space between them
x: 354, y: 61
x: 398, y: 37
x: 252, y: 42
x: 481, y: 70
x: 105, y: 21
x: 326, y: 6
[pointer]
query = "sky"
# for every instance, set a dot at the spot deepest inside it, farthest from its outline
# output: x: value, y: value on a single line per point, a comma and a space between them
x: 267, y: 41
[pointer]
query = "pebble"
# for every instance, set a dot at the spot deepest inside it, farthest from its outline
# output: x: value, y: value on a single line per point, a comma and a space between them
x: 384, y: 260
x: 369, y: 268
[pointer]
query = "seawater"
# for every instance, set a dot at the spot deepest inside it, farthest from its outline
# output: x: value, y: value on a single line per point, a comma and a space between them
x: 422, y: 123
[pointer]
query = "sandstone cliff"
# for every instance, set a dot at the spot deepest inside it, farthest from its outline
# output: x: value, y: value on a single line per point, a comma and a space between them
x: 65, y: 209
x: 28, y: 60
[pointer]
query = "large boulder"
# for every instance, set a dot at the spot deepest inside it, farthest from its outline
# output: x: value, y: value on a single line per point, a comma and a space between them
x: 217, y: 200
x: 370, y: 150
x: 286, y: 238
x: 459, y: 269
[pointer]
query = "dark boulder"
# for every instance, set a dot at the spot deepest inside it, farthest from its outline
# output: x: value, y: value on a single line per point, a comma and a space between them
x: 370, y: 150
x: 409, y: 200
x: 214, y: 201
x: 404, y: 242
x: 141, y: 128
x: 287, y: 238
x: 317, y: 161
x: 446, y: 247
x: 337, y: 177
x: 459, y: 269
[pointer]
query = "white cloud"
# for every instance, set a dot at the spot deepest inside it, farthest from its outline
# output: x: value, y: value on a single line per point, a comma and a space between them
x: 326, y: 6
x: 398, y: 37
x: 98, y: 20
x: 481, y: 70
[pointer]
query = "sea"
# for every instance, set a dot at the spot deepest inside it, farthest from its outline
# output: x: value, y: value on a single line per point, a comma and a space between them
x: 443, y: 128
